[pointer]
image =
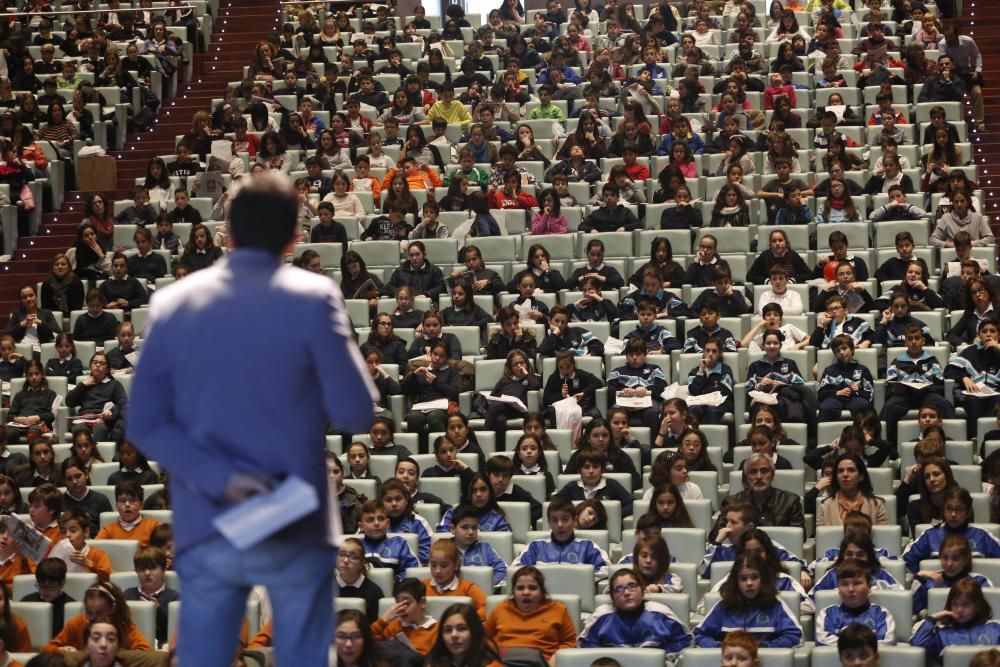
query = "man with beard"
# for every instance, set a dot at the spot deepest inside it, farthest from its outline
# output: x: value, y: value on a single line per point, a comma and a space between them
x: 774, y: 506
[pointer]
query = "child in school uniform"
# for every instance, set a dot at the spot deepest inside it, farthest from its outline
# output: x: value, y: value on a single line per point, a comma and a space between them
x: 50, y: 581
x: 352, y: 581
x: 12, y: 563
x: 479, y: 494
x: 956, y: 564
x: 447, y: 463
x: 472, y: 552
x: 711, y: 375
x: 382, y: 550
x: 855, y: 607
x: 657, y: 337
x: 445, y: 579
x: 398, y: 506
x: 500, y: 471
x: 708, y: 316
x: 592, y: 483
x: 913, y: 367
x: 131, y: 525
x: 74, y: 550
x: 44, y: 503
x: 845, y: 384
x: 562, y: 546
x: 406, y: 632
x: 150, y: 567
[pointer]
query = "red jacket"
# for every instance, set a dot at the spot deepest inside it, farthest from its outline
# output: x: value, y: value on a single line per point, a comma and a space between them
x: 522, y: 200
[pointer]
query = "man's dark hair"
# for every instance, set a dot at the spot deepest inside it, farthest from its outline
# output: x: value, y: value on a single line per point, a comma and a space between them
x: 264, y: 212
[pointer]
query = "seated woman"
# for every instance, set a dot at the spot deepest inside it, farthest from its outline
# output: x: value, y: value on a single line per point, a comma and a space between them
x: 31, y: 324
x: 850, y: 490
x: 434, y: 381
x: 32, y: 408
x: 63, y: 291
x: 529, y: 622
x: 632, y: 622
x: 86, y: 258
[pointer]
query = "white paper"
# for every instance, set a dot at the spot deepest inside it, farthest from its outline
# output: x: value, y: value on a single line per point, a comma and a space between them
x: 714, y: 398
x: 613, y: 345
x: 675, y: 390
x: 984, y: 390
x: 916, y: 385
x: 261, y: 516
x: 509, y: 400
x: 955, y: 268
x: 568, y: 413
x: 522, y: 310
x: 16, y: 425
x: 133, y: 358
x: 30, y: 543
x: 436, y: 404
x: 222, y: 150
x: 838, y: 109
x: 764, y: 397
x: 633, y: 402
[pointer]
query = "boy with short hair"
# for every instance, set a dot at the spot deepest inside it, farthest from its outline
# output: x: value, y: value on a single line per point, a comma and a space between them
x: 318, y: 183
x: 407, y: 621
x: 795, y: 210
x: 562, y: 546
x: 467, y: 167
x: 708, y: 327
x: 183, y: 211
x: 546, y: 109
x: 391, y: 128
x: 857, y: 645
x: 500, y: 471
x: 592, y: 483
x: 328, y: 230
x: 166, y: 238
x: 44, y: 503
x: 162, y: 537
x: 894, y: 268
x: 835, y: 321
x: 74, y: 550
x: 854, y: 608
x: 612, y: 216
x: 391, y: 227
x: 826, y: 265
x: 657, y: 337
x: 140, y: 213
x: 914, y: 378
x: 363, y: 181
x: 472, y: 552
x: 382, y: 550
x: 737, y: 517
x: 636, y: 171
x: 150, y: 567
x: 50, y: 580
x: 131, y: 525
x: 146, y: 264
x: 732, y: 302
x: 845, y: 384
x: 777, y: 292
x: 448, y: 108
x: 897, y: 208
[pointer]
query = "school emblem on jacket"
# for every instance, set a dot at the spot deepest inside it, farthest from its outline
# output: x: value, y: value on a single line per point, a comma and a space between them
x: 762, y: 618
x: 572, y: 558
x: 870, y: 622
x: 857, y: 374
x: 784, y: 368
x: 476, y: 560
x: 983, y: 639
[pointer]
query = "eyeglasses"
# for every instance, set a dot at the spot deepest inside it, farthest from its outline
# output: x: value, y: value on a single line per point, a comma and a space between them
x: 385, y: 324
x: 625, y: 588
x: 349, y: 557
x: 704, y: 246
x: 344, y: 637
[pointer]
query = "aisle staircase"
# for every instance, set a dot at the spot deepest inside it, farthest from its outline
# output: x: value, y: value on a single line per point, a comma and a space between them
x: 240, y: 26
x: 982, y: 22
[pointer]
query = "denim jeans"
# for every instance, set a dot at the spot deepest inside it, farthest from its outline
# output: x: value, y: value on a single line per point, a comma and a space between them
x: 216, y: 579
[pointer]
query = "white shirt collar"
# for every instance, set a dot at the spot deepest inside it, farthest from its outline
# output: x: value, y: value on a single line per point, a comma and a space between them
x: 450, y: 586
x: 428, y: 622
x: 590, y: 492
x: 130, y: 525
x: 355, y: 584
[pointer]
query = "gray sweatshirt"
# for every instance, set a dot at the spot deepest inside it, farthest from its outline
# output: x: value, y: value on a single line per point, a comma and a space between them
x: 950, y: 224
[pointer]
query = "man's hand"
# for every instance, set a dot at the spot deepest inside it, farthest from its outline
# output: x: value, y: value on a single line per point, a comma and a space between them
x: 242, y: 485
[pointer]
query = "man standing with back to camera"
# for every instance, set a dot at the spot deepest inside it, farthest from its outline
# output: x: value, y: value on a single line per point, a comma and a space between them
x: 244, y: 365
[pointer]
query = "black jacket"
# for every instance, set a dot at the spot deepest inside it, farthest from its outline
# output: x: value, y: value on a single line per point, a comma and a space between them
x: 426, y: 280
x: 780, y: 508
x: 582, y: 382
x: 47, y: 325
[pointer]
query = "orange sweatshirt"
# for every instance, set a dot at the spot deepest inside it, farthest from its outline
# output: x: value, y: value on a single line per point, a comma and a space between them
x: 102, y: 563
x: 72, y: 635
x: 114, y: 531
x: 15, y: 566
x: 264, y: 638
x: 422, y: 637
x: 548, y: 628
x: 22, y: 638
x: 465, y: 589
x: 421, y: 178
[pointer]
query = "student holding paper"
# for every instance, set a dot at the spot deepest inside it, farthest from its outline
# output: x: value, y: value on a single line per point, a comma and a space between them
x: 976, y: 371
x: 638, y: 385
x: 222, y: 452
x: 431, y: 389
x: 509, y: 398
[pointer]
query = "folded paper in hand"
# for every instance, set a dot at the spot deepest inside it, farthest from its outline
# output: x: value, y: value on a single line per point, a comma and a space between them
x: 633, y: 402
x: 764, y: 397
x: 427, y: 406
x: 261, y: 516
x: 513, y: 401
x: 30, y: 543
x: 614, y: 345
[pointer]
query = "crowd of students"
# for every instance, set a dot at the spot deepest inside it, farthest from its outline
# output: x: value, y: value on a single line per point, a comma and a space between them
x: 563, y: 65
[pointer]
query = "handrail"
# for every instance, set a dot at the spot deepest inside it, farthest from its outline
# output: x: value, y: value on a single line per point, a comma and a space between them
x: 134, y: 10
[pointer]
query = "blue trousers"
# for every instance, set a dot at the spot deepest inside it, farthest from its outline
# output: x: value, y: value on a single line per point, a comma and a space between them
x: 218, y: 578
